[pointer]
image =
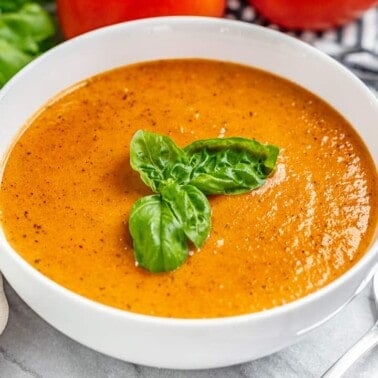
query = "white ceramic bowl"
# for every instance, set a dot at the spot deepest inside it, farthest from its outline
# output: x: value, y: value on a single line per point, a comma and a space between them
x: 178, y: 343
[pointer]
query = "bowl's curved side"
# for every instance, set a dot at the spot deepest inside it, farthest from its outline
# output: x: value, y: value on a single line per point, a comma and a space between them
x: 175, y: 343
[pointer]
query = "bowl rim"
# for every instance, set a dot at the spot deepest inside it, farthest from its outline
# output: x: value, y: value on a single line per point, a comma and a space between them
x: 371, y: 254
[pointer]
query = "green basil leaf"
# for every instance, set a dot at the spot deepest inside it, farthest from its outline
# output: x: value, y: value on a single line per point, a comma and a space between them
x: 192, y: 209
x: 159, y: 242
x: 231, y: 165
x: 11, y: 5
x: 158, y: 160
x: 11, y: 61
x: 161, y: 225
x: 26, y: 30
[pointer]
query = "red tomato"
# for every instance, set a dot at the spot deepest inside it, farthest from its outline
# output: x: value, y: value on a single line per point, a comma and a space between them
x: 79, y: 16
x: 311, y: 14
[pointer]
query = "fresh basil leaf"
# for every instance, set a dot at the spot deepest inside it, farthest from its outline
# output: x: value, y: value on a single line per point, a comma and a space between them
x: 11, y: 5
x: 11, y: 60
x: 26, y: 28
x: 25, y: 32
x: 158, y: 160
x: 231, y: 165
x: 161, y: 225
x: 191, y: 207
x: 159, y: 242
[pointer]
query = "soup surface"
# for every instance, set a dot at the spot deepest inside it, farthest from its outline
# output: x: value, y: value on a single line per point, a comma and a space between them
x: 68, y: 188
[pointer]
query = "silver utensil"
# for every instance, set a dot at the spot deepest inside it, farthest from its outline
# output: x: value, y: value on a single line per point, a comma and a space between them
x: 367, y: 342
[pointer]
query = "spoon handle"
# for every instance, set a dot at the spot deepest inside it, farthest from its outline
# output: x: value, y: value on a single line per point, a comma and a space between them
x: 368, y: 341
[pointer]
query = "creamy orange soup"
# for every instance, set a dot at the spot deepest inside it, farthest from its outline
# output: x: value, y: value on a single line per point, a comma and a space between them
x: 68, y: 188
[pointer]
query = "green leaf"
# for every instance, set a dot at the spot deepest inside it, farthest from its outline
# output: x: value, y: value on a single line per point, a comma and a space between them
x: 11, y: 60
x: 158, y: 160
x: 231, y: 165
x: 27, y: 28
x: 25, y: 31
x: 15, y: 5
x: 192, y: 209
x: 159, y: 242
x: 11, y: 5
x: 161, y: 225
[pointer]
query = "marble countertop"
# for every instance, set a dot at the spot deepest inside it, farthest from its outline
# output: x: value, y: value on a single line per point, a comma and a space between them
x: 29, y: 347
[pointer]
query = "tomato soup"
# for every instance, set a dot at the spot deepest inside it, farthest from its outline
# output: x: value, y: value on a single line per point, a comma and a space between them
x: 68, y: 188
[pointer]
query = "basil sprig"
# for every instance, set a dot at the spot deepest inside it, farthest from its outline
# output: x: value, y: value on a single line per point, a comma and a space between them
x: 26, y: 30
x: 163, y: 224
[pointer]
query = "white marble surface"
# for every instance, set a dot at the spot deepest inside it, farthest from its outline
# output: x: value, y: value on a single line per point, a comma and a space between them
x: 29, y: 347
